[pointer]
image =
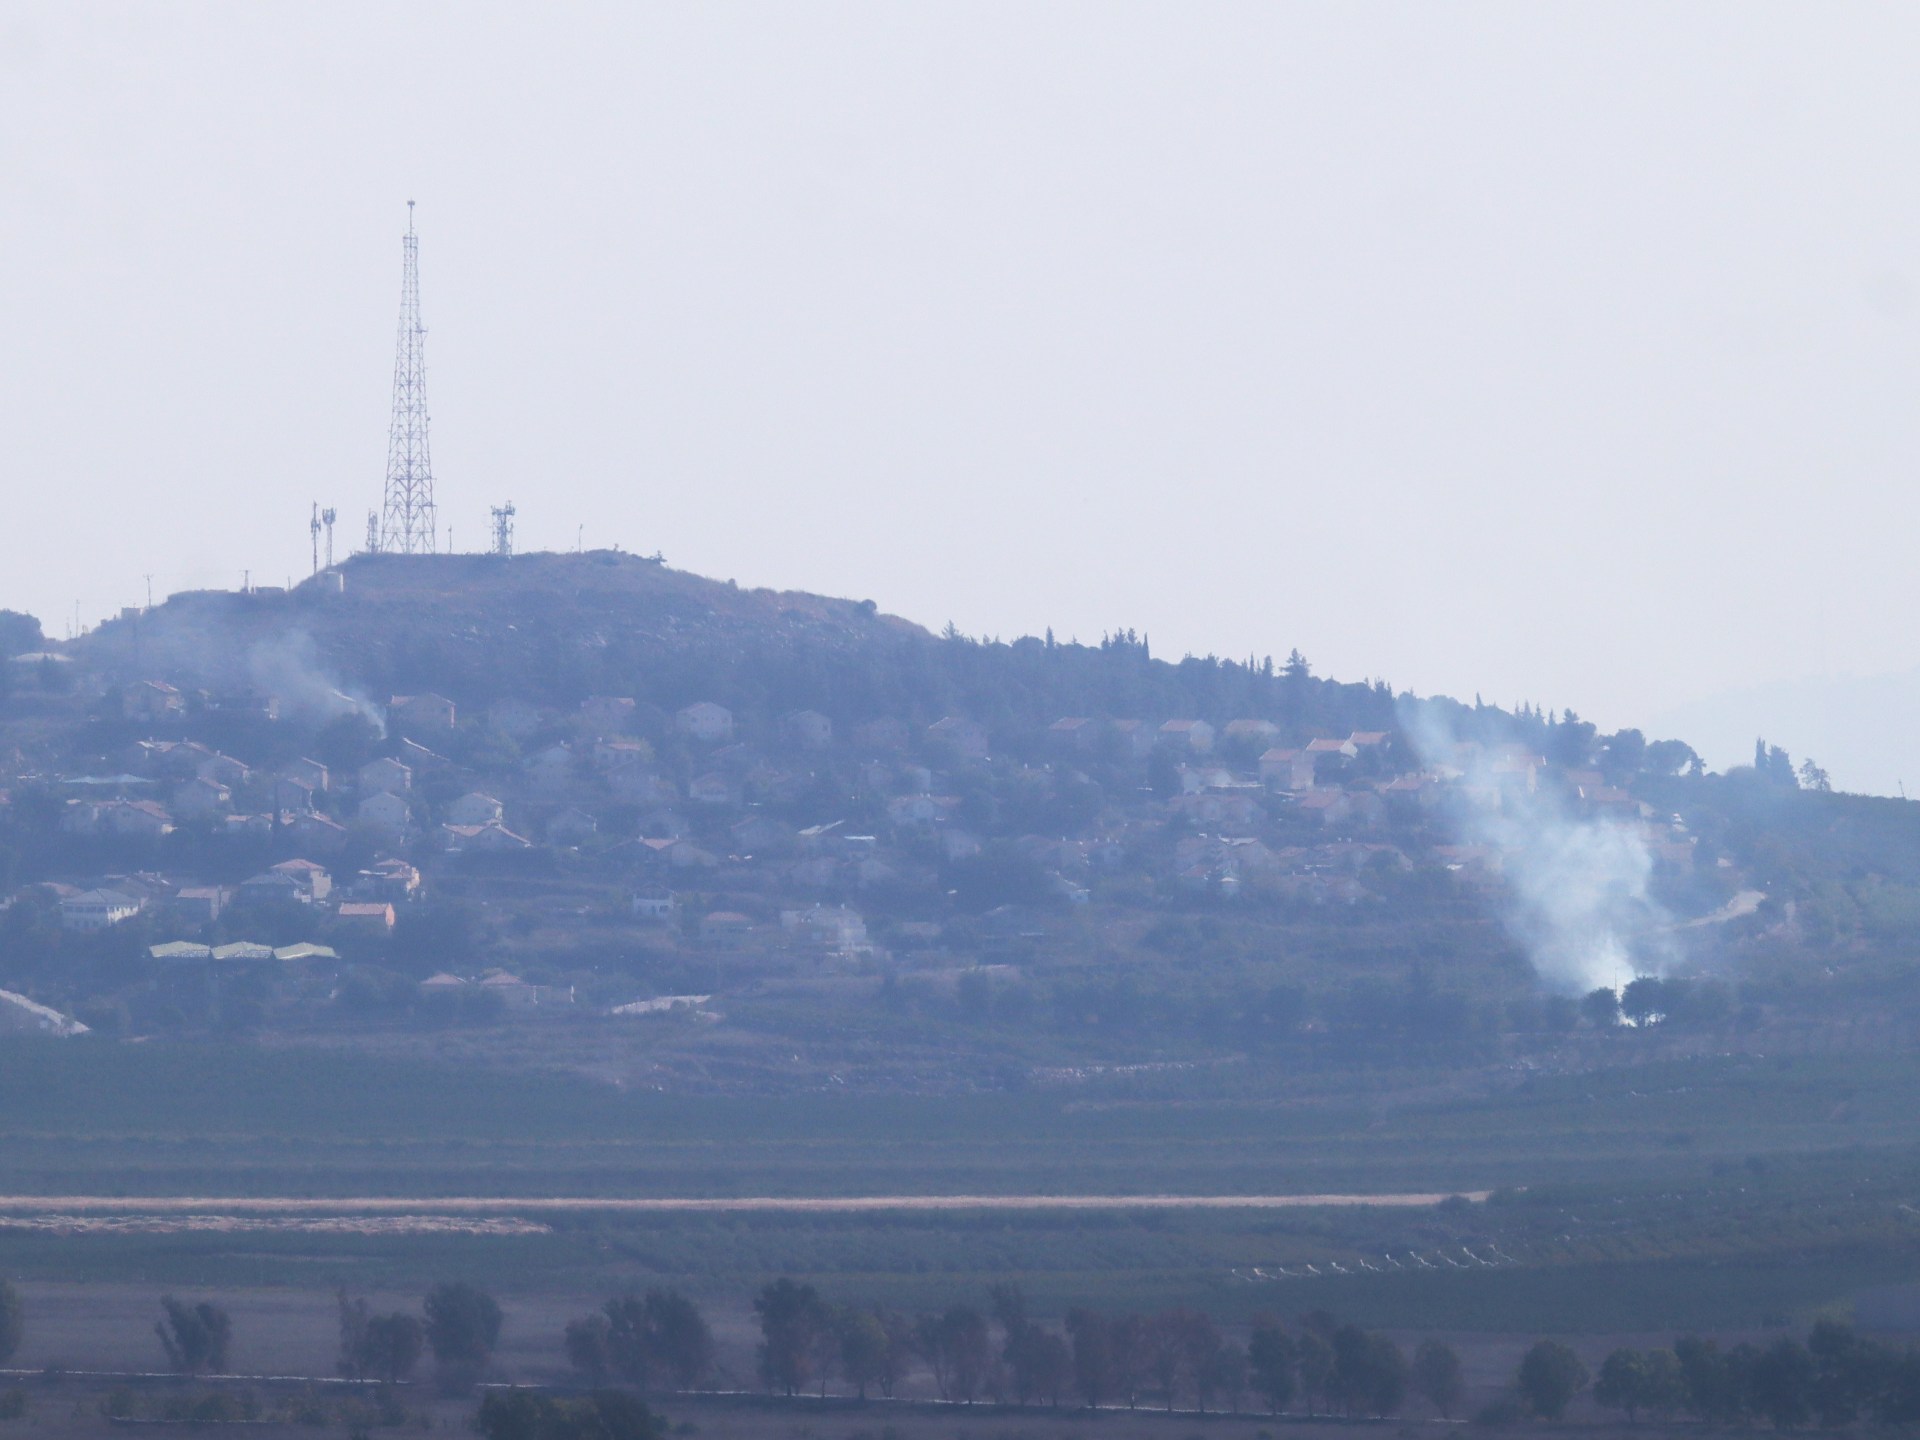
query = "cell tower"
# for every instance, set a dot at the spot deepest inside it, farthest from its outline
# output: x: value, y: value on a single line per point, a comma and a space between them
x: 327, y: 518
x: 503, y: 528
x: 407, y: 523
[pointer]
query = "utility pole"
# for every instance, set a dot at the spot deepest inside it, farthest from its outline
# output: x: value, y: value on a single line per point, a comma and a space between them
x: 407, y: 526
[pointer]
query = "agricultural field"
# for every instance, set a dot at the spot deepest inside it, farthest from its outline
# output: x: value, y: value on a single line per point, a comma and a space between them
x: 1717, y: 1193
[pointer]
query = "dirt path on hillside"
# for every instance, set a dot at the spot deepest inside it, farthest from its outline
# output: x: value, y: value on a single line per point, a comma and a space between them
x: 73, y: 1205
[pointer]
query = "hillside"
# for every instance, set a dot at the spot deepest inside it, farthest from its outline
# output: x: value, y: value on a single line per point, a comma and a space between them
x: 857, y: 848
x: 557, y: 628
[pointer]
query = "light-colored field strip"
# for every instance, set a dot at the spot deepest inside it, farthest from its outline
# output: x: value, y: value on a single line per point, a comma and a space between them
x: 498, y: 1205
x: 195, y: 1222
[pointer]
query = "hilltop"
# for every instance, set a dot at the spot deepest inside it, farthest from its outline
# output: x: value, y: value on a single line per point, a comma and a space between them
x: 558, y: 628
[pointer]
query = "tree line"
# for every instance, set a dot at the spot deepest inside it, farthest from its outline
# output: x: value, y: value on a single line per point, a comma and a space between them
x: 661, y: 1341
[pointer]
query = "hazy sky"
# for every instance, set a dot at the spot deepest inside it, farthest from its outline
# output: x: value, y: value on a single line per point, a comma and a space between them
x: 1555, y: 352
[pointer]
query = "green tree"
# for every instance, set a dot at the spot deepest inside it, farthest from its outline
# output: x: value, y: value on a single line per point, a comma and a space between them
x: 1369, y: 1372
x: 196, y: 1336
x: 1270, y: 1356
x: 463, y: 1327
x: 1093, y: 1366
x: 1550, y: 1376
x: 1644, y: 1000
x: 19, y: 634
x: 1313, y: 1363
x: 1051, y: 1364
x: 969, y: 1350
x: 1711, y: 1381
x: 793, y: 1319
x: 1847, y: 1370
x: 1224, y: 1376
x: 863, y: 1348
x: 1781, y: 1383
x: 678, y: 1341
x: 1200, y: 1345
x: 1601, y: 1008
x: 589, y: 1345
x: 378, y: 1347
x: 1622, y: 1382
x: 13, y: 1321
x: 1437, y: 1376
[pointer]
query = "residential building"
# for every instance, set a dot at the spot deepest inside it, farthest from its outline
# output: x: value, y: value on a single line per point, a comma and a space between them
x: 1195, y: 737
x: 201, y: 800
x: 424, y: 714
x: 725, y: 929
x: 385, y: 812
x: 966, y: 738
x: 152, y: 701
x: 375, y: 915
x: 658, y: 907
x: 475, y: 808
x: 704, y: 721
x: 94, y: 910
x: 385, y: 776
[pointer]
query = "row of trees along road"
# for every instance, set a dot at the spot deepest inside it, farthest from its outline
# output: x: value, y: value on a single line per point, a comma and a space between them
x: 661, y: 1341
x: 458, y: 1322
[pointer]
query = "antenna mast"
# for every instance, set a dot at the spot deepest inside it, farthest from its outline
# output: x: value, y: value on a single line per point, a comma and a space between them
x: 407, y: 524
x: 313, y: 532
x: 326, y: 519
x: 503, y: 528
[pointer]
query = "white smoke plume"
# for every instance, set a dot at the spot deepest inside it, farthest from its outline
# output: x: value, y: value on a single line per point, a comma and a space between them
x: 1576, y: 888
x: 286, y: 668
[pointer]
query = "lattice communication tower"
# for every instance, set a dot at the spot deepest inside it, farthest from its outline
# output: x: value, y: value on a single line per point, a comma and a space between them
x: 408, y: 520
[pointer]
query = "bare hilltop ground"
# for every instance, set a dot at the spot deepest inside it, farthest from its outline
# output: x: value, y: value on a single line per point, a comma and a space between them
x: 481, y: 625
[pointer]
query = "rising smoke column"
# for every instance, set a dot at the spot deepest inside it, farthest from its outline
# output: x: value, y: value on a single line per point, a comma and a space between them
x: 1576, y: 889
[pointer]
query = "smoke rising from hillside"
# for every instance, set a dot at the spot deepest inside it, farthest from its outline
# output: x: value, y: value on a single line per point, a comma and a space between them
x: 287, y: 668
x: 1576, y: 889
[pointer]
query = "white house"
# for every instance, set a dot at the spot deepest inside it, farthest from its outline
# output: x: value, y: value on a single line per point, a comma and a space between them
x: 967, y: 737
x: 385, y: 812
x: 1193, y: 736
x: 704, y: 720
x: 95, y: 910
x: 385, y: 777
x: 475, y: 808
x: 199, y: 799
x: 655, y: 906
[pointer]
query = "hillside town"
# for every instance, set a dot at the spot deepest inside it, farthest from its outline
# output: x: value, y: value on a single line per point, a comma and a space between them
x: 195, y: 836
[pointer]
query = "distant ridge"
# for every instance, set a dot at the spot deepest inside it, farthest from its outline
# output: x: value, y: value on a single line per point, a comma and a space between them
x: 558, y: 627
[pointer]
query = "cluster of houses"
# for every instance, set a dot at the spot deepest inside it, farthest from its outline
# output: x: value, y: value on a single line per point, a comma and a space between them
x: 365, y: 903
x: 723, y: 835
